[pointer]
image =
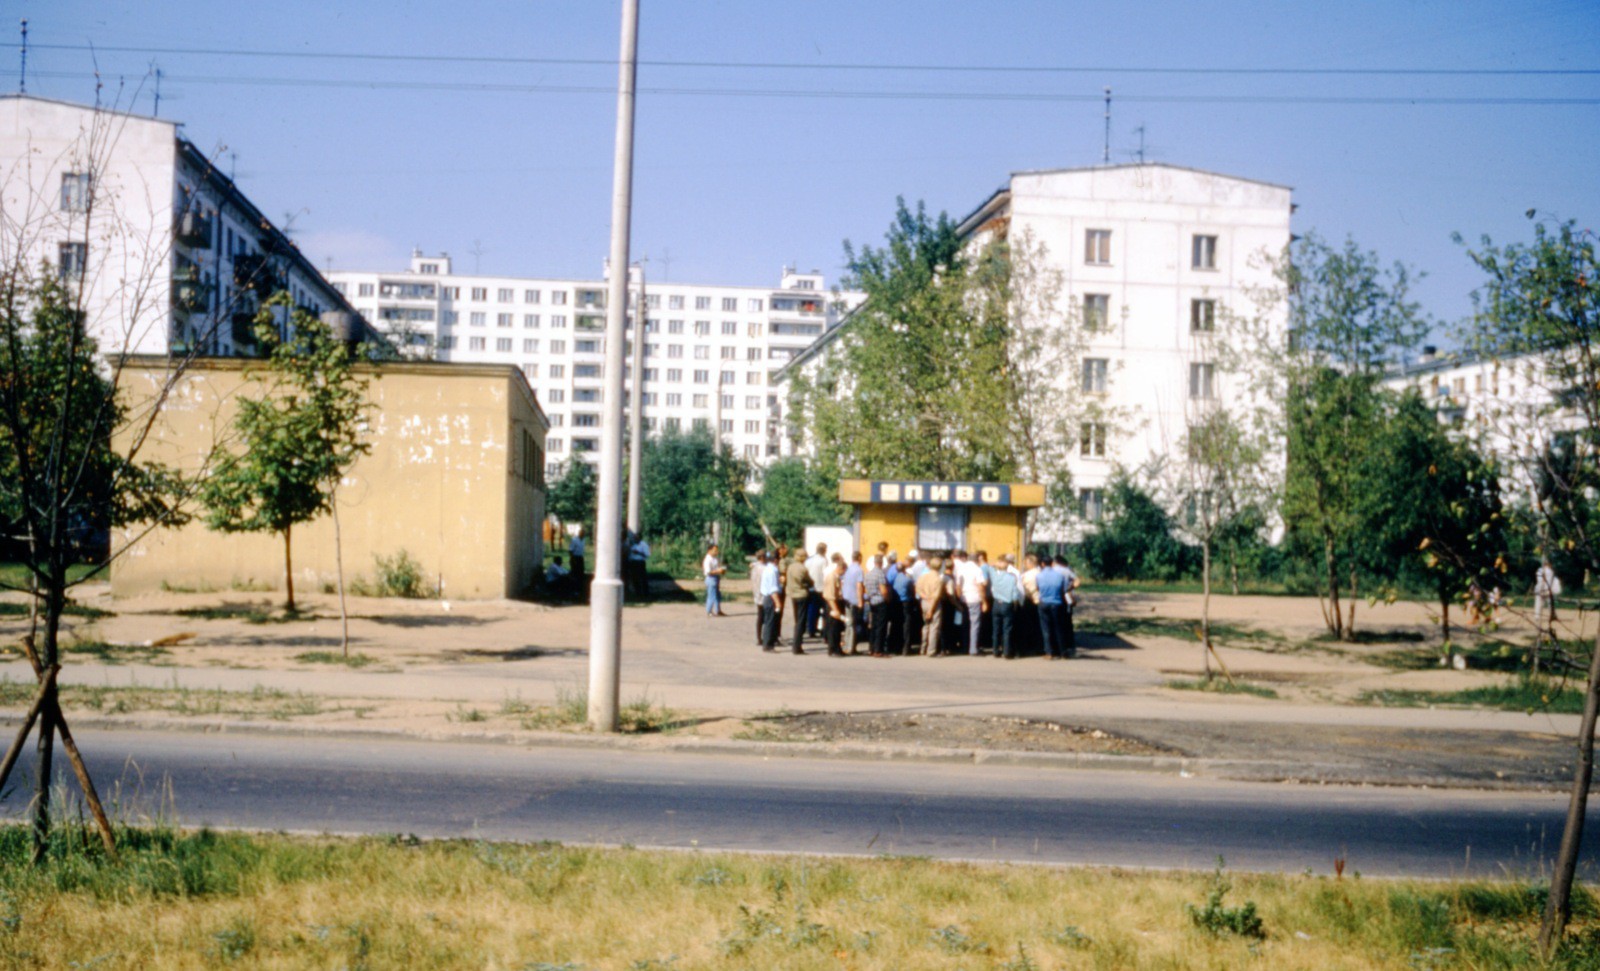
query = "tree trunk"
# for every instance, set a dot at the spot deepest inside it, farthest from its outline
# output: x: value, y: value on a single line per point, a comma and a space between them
x: 288, y: 568
x: 44, y: 756
x: 1444, y: 626
x: 1233, y: 575
x: 1558, y: 909
x: 1205, y: 604
x: 1332, y: 615
x: 1350, y: 601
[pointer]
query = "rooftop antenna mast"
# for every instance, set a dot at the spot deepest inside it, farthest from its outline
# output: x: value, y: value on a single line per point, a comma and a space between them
x: 22, y: 81
x: 477, y: 252
x: 157, y: 112
x: 1105, y: 156
x: 1140, y: 153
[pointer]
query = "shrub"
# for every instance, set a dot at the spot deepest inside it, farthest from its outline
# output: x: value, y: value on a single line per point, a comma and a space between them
x: 401, y: 576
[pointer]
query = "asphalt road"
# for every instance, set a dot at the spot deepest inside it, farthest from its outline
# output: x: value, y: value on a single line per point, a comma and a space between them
x: 978, y: 812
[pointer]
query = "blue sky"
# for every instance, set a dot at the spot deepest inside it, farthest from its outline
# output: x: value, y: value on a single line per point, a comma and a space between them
x: 761, y: 144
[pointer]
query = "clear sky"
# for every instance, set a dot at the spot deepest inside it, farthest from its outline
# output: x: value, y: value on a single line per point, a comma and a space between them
x: 769, y: 132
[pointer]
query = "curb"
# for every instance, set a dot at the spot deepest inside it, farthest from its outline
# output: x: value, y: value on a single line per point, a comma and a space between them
x: 1329, y: 773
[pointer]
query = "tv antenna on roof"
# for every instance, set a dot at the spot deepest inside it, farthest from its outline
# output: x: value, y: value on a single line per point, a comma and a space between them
x: 1139, y: 154
x: 157, y: 112
x: 477, y: 252
x: 22, y: 79
x: 1105, y: 156
x: 666, y: 263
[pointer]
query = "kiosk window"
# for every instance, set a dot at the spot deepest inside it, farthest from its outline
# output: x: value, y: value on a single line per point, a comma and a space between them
x: 941, y: 527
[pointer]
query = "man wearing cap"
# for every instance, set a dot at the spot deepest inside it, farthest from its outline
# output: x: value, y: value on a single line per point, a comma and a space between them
x: 797, y: 590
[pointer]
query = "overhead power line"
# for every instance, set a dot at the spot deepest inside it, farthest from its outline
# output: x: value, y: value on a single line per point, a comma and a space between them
x: 820, y: 66
x: 858, y: 94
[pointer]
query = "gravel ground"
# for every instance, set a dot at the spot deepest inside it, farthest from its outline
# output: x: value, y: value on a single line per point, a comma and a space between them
x: 946, y: 731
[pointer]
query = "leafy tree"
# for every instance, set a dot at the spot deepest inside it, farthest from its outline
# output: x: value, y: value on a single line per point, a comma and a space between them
x: 916, y: 388
x: 1135, y: 541
x: 1435, y: 506
x: 689, y: 484
x: 1541, y: 302
x: 64, y: 484
x: 573, y: 495
x: 296, y: 440
x: 1349, y: 318
x: 795, y: 495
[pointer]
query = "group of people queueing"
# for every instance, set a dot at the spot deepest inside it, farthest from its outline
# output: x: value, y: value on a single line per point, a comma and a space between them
x: 906, y: 605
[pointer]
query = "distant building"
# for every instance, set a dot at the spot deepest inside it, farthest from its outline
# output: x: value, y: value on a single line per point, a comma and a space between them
x: 455, y: 478
x: 1157, y: 254
x: 171, y: 255
x: 709, y: 350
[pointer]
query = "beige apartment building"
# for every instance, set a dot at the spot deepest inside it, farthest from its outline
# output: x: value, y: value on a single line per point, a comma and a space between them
x: 455, y: 478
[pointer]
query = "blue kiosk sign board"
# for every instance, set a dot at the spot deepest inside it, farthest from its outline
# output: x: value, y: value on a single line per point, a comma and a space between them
x: 943, y: 493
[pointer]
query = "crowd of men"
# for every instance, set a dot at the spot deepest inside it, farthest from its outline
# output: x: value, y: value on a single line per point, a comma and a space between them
x: 909, y: 605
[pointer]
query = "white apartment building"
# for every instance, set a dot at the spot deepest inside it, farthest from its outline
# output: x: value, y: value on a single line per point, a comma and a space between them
x: 170, y: 255
x: 709, y: 351
x: 1156, y: 255
x: 1506, y: 407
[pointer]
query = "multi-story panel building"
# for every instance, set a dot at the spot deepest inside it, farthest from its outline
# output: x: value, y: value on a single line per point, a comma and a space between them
x: 1154, y: 256
x: 709, y: 351
x: 170, y: 256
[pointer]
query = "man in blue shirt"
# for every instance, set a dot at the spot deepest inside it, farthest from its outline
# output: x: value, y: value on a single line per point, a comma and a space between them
x: 910, y: 610
x: 1006, y: 590
x: 853, y: 594
x: 1069, y: 637
x: 771, y: 592
x: 1052, y: 602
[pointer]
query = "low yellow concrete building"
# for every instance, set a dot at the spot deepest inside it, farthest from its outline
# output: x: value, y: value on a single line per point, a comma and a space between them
x: 941, y: 516
x: 455, y: 478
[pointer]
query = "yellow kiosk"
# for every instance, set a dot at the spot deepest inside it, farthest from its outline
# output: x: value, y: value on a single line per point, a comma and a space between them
x: 936, y: 517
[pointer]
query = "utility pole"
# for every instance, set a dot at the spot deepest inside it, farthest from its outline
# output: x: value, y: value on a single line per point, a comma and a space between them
x: 636, y: 410
x: 605, y: 593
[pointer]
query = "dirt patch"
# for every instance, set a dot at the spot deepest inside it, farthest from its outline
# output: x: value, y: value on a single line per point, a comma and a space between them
x: 944, y: 731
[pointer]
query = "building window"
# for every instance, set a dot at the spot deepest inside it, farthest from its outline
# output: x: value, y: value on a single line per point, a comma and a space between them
x: 480, y: 293
x: 653, y: 301
x: 674, y: 400
x: 1092, y: 440
x: 730, y: 353
x: 556, y: 395
x: 674, y: 326
x: 558, y: 297
x: 674, y: 376
x: 558, y: 347
x: 675, y: 351
x: 941, y: 528
x: 754, y: 305
x: 585, y: 444
x: 727, y: 377
x: 1200, y: 380
x: 75, y: 192
x: 651, y: 374
x: 1097, y: 246
x: 364, y: 289
x: 1202, y: 316
x: 1096, y: 310
x: 478, y: 318
x: 752, y: 451
x: 557, y: 421
x: 451, y: 317
x: 752, y: 402
x: 1203, y: 253
x: 702, y: 353
x: 73, y: 260
x: 652, y: 350
x: 726, y: 425
x: 1091, y: 504
x: 701, y: 424
x: 430, y: 269
x: 591, y: 395
x: 730, y: 328
x: 476, y: 343
x: 752, y: 354
x: 702, y: 328
x: 753, y: 427
x: 502, y: 320
x: 452, y: 293
x: 586, y: 346
x: 530, y: 320
x: 558, y: 321
x: 754, y: 329
x: 502, y: 344
x: 505, y: 295
x: 675, y: 303
x: 530, y: 296
x: 700, y: 400
x: 531, y: 371
x: 652, y: 326
x: 447, y: 343
x: 586, y: 420
x: 1094, y: 374
x: 726, y: 401
x: 558, y: 371
x: 730, y: 305
x: 553, y: 445
x: 702, y: 303
x: 752, y: 377
x: 702, y: 377
x: 586, y: 370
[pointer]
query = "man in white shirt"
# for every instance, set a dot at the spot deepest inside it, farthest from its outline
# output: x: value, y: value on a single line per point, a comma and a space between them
x: 969, y: 581
x: 817, y: 566
x: 575, y: 553
x: 770, y: 590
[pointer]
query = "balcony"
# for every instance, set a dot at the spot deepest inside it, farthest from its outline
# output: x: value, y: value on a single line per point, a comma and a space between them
x: 257, y: 271
x: 193, y: 229
x: 189, y: 292
x: 590, y: 322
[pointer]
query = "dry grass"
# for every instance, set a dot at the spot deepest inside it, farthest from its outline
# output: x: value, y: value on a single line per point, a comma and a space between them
x: 203, y: 900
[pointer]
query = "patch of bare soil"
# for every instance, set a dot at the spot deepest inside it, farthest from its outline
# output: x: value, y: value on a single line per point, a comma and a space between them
x: 944, y: 731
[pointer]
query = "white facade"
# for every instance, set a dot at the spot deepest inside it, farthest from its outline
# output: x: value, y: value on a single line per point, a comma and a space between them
x: 709, y: 351
x: 1160, y: 254
x: 170, y: 255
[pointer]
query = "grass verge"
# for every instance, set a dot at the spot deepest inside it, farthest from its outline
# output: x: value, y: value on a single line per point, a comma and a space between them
x: 1222, y: 686
x: 357, y: 660
x: 1518, y: 694
x: 204, y: 899
x: 259, y: 702
x: 1223, y: 634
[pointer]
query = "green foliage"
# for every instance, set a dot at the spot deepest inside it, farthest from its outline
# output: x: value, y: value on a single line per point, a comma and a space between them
x: 688, y: 484
x: 572, y: 495
x: 296, y: 439
x: 1216, y: 919
x: 795, y: 495
x: 1135, y: 540
x: 400, y: 576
